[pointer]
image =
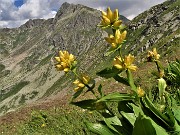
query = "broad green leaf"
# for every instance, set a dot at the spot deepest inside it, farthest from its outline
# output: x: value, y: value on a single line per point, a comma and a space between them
x: 99, y: 129
x: 176, y: 111
x: 112, y: 122
x: 124, y: 106
x: 86, y: 104
x: 155, y: 111
x: 109, y: 72
x: 136, y: 109
x: 116, y: 97
x: 121, y: 79
x: 100, y: 90
x: 129, y: 116
x: 146, y: 126
x: 161, y: 86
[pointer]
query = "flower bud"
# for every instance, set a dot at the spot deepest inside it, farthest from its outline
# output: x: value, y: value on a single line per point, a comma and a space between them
x: 140, y: 92
x: 116, y: 14
x: 116, y: 24
x: 106, y: 20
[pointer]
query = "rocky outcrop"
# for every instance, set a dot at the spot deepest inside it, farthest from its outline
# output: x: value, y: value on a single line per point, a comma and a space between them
x: 153, y: 27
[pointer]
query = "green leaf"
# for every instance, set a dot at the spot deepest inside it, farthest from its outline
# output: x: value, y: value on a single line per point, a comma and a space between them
x: 121, y: 79
x: 109, y: 72
x: 91, y: 85
x: 77, y: 94
x: 122, y: 27
x: 129, y: 116
x: 86, y: 104
x: 124, y: 106
x: 113, y: 50
x: 161, y: 86
x: 136, y: 109
x: 100, y: 90
x: 116, y: 97
x: 146, y: 126
x: 112, y: 122
x: 155, y: 111
x: 98, y: 128
x: 176, y: 111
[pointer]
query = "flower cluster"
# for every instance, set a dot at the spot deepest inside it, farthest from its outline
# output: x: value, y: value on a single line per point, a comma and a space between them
x: 65, y: 61
x: 125, y: 63
x: 110, y: 18
x: 152, y: 55
x: 116, y: 40
x: 80, y: 83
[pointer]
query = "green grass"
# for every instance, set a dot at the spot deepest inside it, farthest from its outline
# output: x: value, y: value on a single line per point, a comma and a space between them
x: 58, y: 121
x: 2, y: 67
x: 20, y: 38
x: 45, y: 60
x: 4, y: 73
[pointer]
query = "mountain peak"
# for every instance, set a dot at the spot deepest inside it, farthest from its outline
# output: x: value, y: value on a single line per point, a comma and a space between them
x: 67, y: 8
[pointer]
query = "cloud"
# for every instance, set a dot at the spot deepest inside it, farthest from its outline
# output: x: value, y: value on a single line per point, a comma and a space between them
x: 12, y: 16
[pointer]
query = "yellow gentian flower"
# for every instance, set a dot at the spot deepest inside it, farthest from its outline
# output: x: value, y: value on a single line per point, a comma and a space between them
x: 153, y: 55
x: 125, y: 63
x: 64, y: 61
x: 110, y: 18
x: 140, y: 92
x: 128, y: 62
x: 80, y: 83
x: 116, y: 40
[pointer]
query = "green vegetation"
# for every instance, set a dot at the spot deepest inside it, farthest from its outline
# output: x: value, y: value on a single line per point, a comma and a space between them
x: 4, y: 73
x: 45, y: 60
x: 2, y: 67
x: 20, y: 38
x: 58, y: 121
x: 15, y: 89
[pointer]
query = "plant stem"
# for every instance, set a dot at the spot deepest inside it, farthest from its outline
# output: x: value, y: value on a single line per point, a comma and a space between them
x: 131, y: 80
x: 89, y: 88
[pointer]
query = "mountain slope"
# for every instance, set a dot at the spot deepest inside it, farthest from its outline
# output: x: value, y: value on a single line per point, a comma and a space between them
x: 157, y: 27
x: 27, y: 70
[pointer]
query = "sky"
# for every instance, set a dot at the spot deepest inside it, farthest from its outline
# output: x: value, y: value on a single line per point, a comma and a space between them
x: 14, y: 13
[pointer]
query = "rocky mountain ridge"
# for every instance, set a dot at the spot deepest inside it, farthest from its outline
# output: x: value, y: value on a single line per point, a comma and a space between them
x: 157, y: 27
x: 27, y: 70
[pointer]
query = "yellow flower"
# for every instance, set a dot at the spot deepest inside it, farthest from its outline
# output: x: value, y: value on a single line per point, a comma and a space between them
x: 64, y: 61
x: 153, y: 55
x: 116, y: 40
x: 140, y: 92
x: 110, y: 18
x: 128, y: 62
x: 80, y: 83
x: 43, y: 125
x: 125, y: 63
